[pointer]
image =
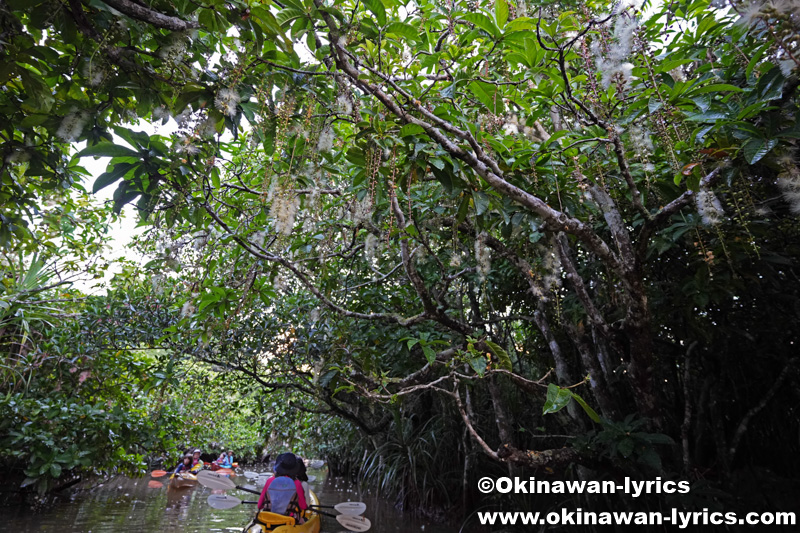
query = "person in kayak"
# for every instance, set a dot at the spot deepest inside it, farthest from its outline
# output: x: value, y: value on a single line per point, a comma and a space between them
x: 284, y: 492
x: 197, y: 463
x: 227, y: 461
x: 184, y: 466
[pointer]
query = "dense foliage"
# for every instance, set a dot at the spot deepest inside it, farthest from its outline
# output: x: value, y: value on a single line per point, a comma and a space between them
x: 562, y: 229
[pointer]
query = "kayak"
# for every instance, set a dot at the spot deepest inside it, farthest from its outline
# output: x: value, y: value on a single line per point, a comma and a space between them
x: 182, y: 481
x: 278, y: 523
x: 214, y: 466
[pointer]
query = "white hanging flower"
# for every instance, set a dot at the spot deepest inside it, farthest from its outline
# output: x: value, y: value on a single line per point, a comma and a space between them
x: 344, y: 105
x: 284, y: 210
x: 72, y: 126
x: 161, y: 113
x: 325, y: 142
x: 371, y: 248
x: 615, y: 61
x: 551, y: 264
x: 175, y: 49
x: 184, y: 145
x: 227, y: 101
x: 483, y: 257
x: 94, y: 73
x: 455, y: 259
x: 709, y: 207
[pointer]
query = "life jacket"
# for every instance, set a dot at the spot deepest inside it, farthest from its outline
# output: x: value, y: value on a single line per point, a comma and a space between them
x: 227, y: 462
x: 181, y: 468
x: 281, y: 491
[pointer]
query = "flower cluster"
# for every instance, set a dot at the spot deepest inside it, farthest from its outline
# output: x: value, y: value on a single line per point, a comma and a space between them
x: 615, y: 64
x: 175, y: 49
x: 184, y: 145
x: 371, y: 244
x: 325, y: 141
x: 227, y: 101
x: 94, y: 73
x: 344, y: 104
x: 162, y: 114
x: 789, y: 182
x: 483, y: 256
x: 284, y: 210
x: 709, y: 207
x: 72, y: 126
x: 551, y: 263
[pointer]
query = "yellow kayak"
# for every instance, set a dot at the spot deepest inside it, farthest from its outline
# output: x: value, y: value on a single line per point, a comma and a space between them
x: 278, y: 523
x: 182, y: 481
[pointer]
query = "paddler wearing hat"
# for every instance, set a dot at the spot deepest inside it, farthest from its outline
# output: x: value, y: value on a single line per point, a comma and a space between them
x: 286, y: 466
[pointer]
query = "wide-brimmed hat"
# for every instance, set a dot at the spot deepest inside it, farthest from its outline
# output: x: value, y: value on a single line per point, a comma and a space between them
x: 287, y: 465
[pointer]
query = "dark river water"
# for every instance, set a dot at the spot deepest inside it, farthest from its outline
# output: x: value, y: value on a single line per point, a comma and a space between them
x: 130, y: 505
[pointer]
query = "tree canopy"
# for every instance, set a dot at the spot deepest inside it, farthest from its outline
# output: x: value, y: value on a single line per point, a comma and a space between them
x: 506, y: 222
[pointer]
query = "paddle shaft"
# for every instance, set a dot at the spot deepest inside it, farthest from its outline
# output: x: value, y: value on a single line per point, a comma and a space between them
x: 312, y: 506
x: 249, y: 490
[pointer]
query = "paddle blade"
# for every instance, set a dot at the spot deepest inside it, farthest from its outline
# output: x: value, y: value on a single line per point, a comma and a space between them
x: 316, y: 463
x: 250, y: 475
x: 158, y: 473
x: 351, y: 508
x: 223, y: 501
x: 213, y: 480
x: 312, y: 479
x: 354, y: 523
x: 153, y: 484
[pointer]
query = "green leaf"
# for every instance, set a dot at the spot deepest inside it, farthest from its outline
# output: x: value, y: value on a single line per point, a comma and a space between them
x: 755, y: 149
x: 107, y: 178
x: 625, y: 447
x: 55, y: 470
x: 377, y: 9
x: 489, y: 95
x: 715, y: 88
x: 107, y: 149
x: 478, y: 364
x: 481, y: 202
x: 557, y: 399
x: 503, y: 360
x: 411, y: 129
x: 589, y: 411
x: 430, y: 354
x: 327, y: 377
x: 501, y: 12
x: 401, y: 29
x: 483, y: 22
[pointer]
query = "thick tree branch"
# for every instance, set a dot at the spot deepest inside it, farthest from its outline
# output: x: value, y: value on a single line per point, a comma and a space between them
x: 145, y: 14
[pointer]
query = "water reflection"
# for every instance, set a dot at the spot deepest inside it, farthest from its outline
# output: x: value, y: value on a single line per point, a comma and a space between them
x: 125, y: 504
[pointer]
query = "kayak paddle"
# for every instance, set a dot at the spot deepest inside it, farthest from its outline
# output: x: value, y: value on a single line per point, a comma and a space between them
x: 346, y: 508
x: 223, y: 501
x: 354, y: 523
x: 358, y: 524
x: 217, y: 481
